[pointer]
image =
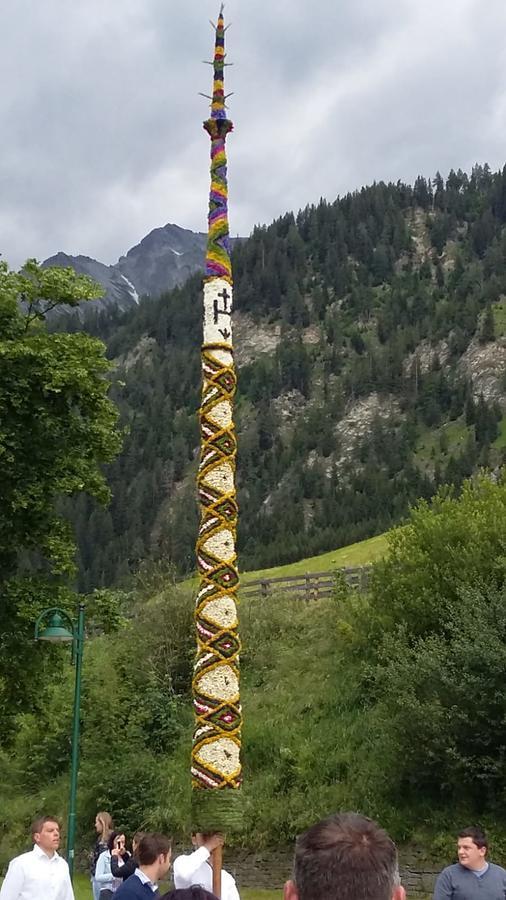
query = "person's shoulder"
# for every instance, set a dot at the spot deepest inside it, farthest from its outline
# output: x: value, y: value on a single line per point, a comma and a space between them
x: 130, y: 887
x: 22, y: 858
x: 227, y: 876
x: 497, y: 870
x: 453, y: 869
x: 229, y: 885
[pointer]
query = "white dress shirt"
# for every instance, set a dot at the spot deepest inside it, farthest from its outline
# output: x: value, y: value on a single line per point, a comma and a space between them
x: 193, y: 868
x: 37, y: 876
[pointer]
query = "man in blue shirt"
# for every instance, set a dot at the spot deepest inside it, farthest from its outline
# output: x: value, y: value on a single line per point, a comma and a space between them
x: 153, y: 854
x: 472, y: 878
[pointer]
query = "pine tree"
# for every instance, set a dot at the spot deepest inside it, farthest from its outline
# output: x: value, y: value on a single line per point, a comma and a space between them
x: 487, y: 327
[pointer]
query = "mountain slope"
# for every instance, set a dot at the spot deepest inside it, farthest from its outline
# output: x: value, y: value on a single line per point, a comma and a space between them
x: 119, y: 291
x: 371, y: 350
x: 166, y: 257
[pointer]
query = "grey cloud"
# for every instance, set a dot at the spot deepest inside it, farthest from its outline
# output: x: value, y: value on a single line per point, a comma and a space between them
x: 101, y: 117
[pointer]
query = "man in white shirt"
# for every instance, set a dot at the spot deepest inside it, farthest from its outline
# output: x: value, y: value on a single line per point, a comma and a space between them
x: 40, y: 874
x: 197, y: 867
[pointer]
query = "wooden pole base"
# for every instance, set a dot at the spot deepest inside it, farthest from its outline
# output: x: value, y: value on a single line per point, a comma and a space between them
x: 217, y: 862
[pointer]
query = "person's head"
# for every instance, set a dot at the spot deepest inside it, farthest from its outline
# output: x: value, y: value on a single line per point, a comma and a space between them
x: 153, y: 854
x: 199, y: 838
x: 346, y: 856
x: 196, y: 892
x: 472, y: 846
x: 116, y: 841
x: 135, y: 841
x: 103, y: 825
x: 46, y: 834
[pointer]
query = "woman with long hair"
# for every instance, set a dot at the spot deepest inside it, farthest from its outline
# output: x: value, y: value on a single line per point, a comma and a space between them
x: 103, y: 873
x: 103, y: 827
x: 124, y: 864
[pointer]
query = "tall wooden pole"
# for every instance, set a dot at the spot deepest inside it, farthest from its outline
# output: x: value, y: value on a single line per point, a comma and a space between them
x: 216, y: 764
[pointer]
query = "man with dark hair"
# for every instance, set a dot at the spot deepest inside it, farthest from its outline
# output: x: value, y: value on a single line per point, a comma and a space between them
x: 153, y: 856
x: 346, y: 856
x: 472, y: 878
x: 40, y: 873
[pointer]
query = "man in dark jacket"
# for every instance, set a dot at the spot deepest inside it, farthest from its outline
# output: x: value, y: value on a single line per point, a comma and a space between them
x: 153, y: 855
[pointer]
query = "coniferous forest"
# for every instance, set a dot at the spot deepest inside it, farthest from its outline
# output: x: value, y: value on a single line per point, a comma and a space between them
x: 368, y: 334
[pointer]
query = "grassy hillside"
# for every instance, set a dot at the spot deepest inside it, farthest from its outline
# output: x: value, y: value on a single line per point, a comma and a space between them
x: 359, y: 554
x: 362, y: 553
x: 440, y: 443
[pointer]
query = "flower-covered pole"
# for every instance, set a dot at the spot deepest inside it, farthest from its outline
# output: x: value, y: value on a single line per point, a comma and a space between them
x: 216, y: 764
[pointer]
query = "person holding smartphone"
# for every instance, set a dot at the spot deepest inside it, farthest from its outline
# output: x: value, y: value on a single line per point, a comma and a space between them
x: 104, y: 877
x: 122, y: 863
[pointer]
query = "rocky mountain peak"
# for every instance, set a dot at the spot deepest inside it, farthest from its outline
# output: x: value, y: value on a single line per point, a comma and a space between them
x: 163, y: 259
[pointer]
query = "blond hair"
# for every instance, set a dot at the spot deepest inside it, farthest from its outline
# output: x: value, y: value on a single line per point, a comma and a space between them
x: 105, y: 820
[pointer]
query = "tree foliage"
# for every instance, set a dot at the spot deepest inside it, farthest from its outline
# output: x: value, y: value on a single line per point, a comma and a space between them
x: 431, y: 644
x: 57, y: 427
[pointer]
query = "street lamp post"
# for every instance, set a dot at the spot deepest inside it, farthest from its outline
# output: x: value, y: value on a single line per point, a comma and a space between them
x: 57, y: 631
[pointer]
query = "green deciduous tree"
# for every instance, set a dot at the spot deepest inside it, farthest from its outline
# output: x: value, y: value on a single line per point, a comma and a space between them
x: 448, y: 544
x: 57, y: 426
x: 431, y: 645
x: 442, y: 711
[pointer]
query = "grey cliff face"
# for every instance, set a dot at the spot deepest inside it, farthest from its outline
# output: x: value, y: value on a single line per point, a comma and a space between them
x: 165, y: 258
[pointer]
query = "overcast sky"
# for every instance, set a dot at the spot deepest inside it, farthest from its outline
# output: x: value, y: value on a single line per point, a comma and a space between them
x: 101, y: 137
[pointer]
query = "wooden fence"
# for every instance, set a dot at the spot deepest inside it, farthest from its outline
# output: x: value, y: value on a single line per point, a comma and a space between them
x: 310, y: 586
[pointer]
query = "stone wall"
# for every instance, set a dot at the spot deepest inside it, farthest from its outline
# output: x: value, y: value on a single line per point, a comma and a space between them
x: 269, y: 869
x: 419, y: 881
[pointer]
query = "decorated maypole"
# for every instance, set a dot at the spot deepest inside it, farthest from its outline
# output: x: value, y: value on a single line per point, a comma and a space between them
x: 216, y: 764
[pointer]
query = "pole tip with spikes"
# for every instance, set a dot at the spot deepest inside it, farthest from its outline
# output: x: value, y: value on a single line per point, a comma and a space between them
x: 218, y: 101
x: 219, y: 124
